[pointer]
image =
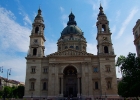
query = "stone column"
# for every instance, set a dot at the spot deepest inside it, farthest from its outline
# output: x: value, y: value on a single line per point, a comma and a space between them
x: 61, y: 86
x: 78, y: 84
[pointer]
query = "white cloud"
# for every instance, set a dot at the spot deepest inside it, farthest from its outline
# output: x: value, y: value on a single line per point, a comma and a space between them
x: 124, y: 45
x: 64, y: 24
x: 127, y: 21
x: 64, y: 17
x: 17, y: 65
x: 12, y: 35
x: 13, y: 38
x: 91, y: 48
x: 62, y: 9
x: 26, y: 19
x: 113, y: 29
x: 51, y: 47
x: 118, y: 15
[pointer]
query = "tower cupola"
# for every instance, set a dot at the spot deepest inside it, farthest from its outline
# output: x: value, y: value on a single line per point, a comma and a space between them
x: 39, y: 16
x: 101, y: 11
x: 104, y: 45
x: 37, y: 38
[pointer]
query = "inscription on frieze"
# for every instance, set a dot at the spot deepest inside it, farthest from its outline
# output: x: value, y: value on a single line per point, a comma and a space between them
x: 70, y: 59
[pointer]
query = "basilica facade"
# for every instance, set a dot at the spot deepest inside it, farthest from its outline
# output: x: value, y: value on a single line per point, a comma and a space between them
x: 71, y: 71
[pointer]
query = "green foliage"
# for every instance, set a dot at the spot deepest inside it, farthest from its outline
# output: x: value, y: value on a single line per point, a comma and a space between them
x: 12, y: 92
x: 130, y: 68
x: 20, y: 90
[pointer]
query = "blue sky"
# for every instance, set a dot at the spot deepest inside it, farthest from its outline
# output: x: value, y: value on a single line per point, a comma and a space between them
x: 16, y: 17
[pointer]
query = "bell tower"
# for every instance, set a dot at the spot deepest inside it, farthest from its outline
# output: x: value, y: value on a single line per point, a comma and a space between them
x: 106, y: 56
x: 37, y: 39
x: 104, y: 45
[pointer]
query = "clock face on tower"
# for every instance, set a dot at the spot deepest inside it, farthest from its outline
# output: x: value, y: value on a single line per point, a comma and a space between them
x: 35, y: 40
x: 104, y: 38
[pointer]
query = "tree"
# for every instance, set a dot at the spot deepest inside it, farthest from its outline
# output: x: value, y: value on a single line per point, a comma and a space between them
x: 130, y: 68
x: 20, y: 90
x: 12, y: 92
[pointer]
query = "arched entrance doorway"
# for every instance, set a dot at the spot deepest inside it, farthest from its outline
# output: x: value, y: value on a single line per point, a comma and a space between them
x: 70, y: 81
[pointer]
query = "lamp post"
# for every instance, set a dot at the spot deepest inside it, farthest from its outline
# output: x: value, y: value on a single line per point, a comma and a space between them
x: 31, y: 95
x: 105, y: 96
x: 1, y: 69
x: 8, y: 73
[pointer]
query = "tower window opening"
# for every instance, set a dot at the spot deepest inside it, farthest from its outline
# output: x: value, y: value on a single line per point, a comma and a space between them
x: 33, y: 70
x: 103, y: 28
x: 105, y: 49
x: 44, y: 86
x: 45, y: 70
x: 32, y: 85
x: 34, y: 51
x: 109, y: 85
x: 36, y: 29
x: 96, y: 85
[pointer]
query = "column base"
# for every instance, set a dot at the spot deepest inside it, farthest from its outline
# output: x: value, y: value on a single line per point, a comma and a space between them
x: 61, y: 95
x: 78, y: 95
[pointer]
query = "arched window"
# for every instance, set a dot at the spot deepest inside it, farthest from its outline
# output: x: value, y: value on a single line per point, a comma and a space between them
x: 32, y: 85
x: 34, y: 51
x: 44, y: 86
x: 103, y: 28
x: 105, y: 49
x: 96, y: 85
x: 36, y: 29
x: 71, y: 46
x: 109, y: 85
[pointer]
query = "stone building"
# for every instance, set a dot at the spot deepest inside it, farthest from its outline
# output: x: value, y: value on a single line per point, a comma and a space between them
x: 8, y: 82
x: 71, y: 71
x: 136, y: 33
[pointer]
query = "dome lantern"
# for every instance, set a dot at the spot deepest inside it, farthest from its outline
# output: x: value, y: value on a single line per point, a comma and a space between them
x: 71, y: 19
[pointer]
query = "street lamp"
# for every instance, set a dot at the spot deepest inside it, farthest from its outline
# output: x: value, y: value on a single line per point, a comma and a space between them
x: 31, y: 95
x: 8, y: 74
x: 1, y: 69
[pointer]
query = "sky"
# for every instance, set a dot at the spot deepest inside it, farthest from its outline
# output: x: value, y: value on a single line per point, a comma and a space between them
x: 17, y: 16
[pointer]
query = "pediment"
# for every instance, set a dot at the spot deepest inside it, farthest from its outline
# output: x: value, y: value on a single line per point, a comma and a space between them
x: 32, y: 79
x: 70, y: 52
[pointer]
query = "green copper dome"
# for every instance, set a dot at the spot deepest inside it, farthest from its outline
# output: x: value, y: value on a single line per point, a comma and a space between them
x: 72, y: 29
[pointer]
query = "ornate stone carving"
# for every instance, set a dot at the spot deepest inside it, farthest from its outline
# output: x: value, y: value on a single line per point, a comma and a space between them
x: 70, y: 52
